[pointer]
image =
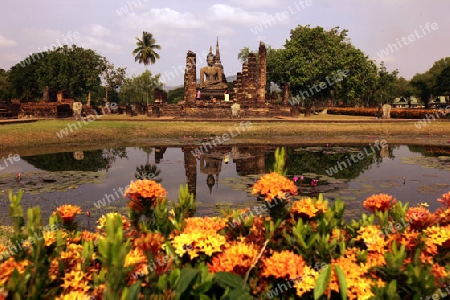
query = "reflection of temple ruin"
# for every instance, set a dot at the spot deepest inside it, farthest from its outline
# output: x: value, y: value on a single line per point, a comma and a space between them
x: 248, y: 161
x: 211, y: 166
x: 159, y: 153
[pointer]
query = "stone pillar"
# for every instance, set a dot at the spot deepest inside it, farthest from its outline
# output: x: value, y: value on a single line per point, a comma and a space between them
x: 46, y: 95
x: 190, y: 81
x: 239, y: 88
x: 251, y: 89
x: 59, y: 96
x: 286, y: 92
x: 262, y: 72
x: 88, y: 103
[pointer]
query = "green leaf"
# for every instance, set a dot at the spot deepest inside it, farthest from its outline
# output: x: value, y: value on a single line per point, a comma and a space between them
x: 228, y: 279
x: 186, y: 277
x: 342, y: 282
x: 322, y: 282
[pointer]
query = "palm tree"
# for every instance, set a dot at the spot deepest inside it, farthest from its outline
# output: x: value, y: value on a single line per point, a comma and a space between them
x: 145, y: 52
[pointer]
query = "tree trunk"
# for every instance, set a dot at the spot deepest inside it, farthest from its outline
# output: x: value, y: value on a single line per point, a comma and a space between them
x: 295, y: 111
x: 307, y: 111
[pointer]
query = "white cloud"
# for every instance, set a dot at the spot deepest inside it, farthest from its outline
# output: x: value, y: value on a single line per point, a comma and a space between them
x: 162, y: 20
x: 99, y: 30
x: 4, y: 42
x: 235, y: 15
x: 256, y: 3
x: 99, y: 43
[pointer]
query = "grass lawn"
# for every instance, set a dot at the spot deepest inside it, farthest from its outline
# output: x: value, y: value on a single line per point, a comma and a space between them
x: 41, y: 136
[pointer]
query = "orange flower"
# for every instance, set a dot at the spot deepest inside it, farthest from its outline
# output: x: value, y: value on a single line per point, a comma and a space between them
x: 68, y: 212
x: 274, y: 185
x: 135, y: 257
x: 149, y: 242
x: 238, y: 259
x: 379, y: 202
x: 145, y: 189
x: 8, y: 267
x: 419, y: 217
x: 308, y: 207
x: 284, y: 265
x: 445, y: 200
x: 204, y: 224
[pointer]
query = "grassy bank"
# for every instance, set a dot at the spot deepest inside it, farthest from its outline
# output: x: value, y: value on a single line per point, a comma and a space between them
x: 109, y: 131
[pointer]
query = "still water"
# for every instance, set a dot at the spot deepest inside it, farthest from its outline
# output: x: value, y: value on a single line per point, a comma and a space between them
x: 222, y: 178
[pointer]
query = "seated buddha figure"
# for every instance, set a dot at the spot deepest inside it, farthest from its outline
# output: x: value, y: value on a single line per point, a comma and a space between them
x: 211, y: 75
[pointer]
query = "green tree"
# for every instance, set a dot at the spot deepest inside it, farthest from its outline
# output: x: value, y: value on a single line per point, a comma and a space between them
x: 74, y: 70
x: 175, y: 95
x: 427, y: 82
x: 386, y: 84
x: 134, y: 89
x: 315, y: 61
x: 442, y: 86
x: 145, y: 51
x: 243, y: 54
x: 22, y: 77
x: 5, y: 86
x: 112, y: 77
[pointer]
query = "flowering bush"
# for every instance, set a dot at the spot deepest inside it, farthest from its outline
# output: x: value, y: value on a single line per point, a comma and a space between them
x: 400, y: 113
x: 310, y: 253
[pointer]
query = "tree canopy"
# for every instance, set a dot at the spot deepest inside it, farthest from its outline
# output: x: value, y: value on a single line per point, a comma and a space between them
x: 434, y: 82
x: 134, y: 89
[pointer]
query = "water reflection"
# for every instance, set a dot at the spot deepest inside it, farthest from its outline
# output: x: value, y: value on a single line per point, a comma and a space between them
x: 97, y: 160
x: 225, y: 174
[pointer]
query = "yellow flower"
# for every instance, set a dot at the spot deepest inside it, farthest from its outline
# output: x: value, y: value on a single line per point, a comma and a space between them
x: 308, y: 207
x: 372, y: 237
x: 196, y: 243
x: 307, y: 281
x: 76, y: 281
x: 134, y: 257
x: 437, y: 235
x: 102, y: 221
x: 74, y: 295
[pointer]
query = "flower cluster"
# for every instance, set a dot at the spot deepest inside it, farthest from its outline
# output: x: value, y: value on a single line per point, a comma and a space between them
x: 308, y: 207
x: 237, y: 258
x: 144, y: 192
x: 274, y: 185
x: 68, y: 212
x: 381, y: 202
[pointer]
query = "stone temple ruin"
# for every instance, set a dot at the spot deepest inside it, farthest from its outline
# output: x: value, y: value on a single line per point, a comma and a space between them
x: 210, y: 96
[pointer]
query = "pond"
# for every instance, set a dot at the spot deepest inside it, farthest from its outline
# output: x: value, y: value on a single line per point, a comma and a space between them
x: 221, y: 178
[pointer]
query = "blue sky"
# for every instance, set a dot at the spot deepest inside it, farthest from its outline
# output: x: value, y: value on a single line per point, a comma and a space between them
x: 110, y: 28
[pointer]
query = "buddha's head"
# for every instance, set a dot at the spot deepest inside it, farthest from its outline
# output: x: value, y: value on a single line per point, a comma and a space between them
x: 210, y: 59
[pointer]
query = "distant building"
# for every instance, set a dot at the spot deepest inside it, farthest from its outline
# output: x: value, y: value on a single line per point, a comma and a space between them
x: 439, y: 101
x: 406, y: 102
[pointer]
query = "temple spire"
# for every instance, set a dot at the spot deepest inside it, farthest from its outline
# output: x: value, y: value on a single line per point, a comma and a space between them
x: 217, y: 60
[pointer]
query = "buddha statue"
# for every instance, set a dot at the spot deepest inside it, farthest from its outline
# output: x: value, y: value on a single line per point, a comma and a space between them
x: 212, y: 76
